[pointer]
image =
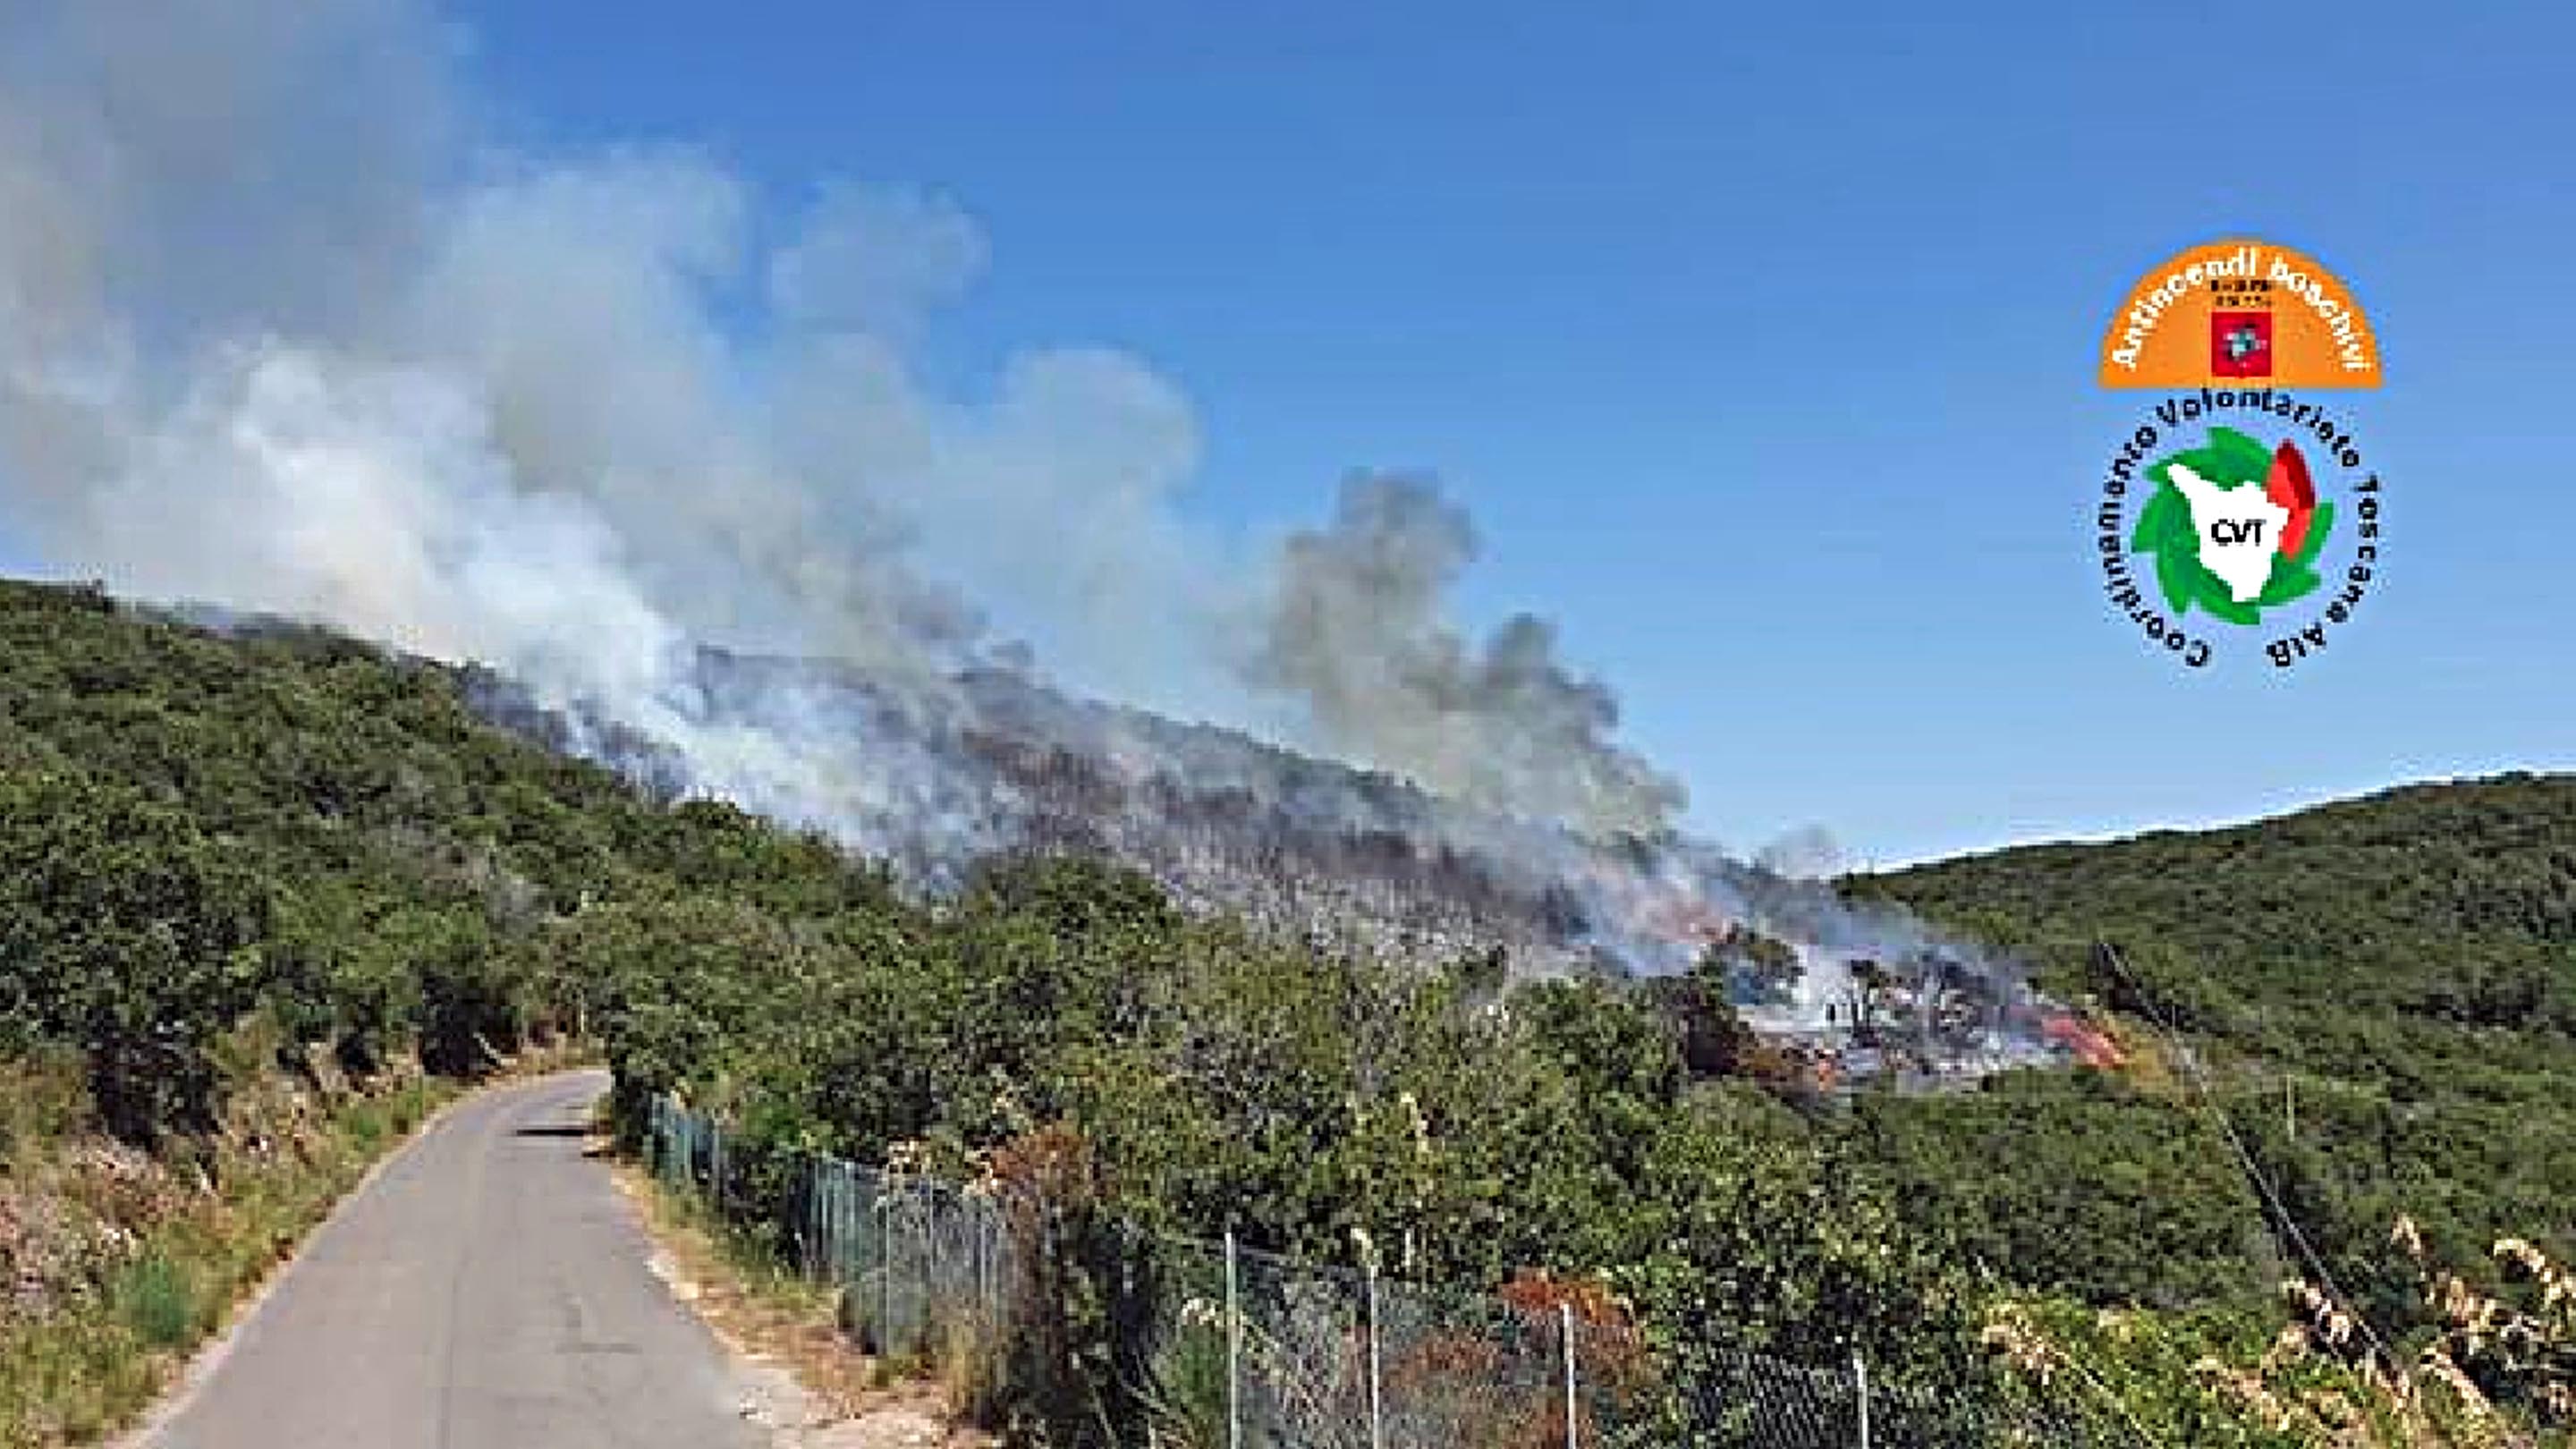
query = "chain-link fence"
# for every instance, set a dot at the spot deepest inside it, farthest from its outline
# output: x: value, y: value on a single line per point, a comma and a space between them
x: 1199, y: 1345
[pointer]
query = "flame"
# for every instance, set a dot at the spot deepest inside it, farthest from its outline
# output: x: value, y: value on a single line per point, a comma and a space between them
x: 2088, y: 1044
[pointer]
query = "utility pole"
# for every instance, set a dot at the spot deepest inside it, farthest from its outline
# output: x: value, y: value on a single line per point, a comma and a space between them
x: 1565, y: 1335
x: 1860, y: 1394
x: 1376, y: 1405
x: 1233, y: 1350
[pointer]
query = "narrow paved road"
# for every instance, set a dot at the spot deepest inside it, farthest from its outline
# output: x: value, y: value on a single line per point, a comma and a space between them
x: 487, y: 1290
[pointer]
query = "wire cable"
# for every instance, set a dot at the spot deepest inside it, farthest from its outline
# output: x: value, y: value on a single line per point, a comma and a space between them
x: 2253, y: 1171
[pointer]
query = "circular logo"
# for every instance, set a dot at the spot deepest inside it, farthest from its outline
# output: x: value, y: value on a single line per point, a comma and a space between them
x: 2237, y: 515
x: 2265, y: 525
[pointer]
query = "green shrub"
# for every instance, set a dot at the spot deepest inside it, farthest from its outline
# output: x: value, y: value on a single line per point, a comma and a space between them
x: 157, y: 1301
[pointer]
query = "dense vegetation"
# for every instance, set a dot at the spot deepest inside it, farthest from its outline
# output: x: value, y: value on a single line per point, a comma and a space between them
x: 196, y: 830
x: 2383, y: 992
x: 298, y: 830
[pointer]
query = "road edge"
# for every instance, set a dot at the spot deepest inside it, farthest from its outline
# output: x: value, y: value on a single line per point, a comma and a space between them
x: 209, y: 1357
x: 780, y: 1390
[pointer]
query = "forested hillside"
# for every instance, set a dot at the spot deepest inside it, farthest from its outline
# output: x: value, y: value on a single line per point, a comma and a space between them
x: 196, y: 829
x: 304, y: 835
x: 2384, y: 992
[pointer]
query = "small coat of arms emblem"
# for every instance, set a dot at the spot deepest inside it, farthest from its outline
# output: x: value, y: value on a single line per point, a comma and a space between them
x: 2240, y: 344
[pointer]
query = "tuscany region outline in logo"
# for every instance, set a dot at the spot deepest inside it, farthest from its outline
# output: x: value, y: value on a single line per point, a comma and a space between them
x: 2237, y: 513
x: 2234, y: 529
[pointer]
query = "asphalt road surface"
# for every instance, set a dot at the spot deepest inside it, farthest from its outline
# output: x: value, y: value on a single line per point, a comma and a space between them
x: 486, y: 1290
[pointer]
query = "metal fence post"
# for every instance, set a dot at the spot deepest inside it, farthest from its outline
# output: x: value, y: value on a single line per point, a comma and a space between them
x: 805, y: 1230
x: 1565, y: 1330
x: 1377, y: 1416
x: 1233, y: 1352
x: 1860, y: 1386
x: 988, y: 1268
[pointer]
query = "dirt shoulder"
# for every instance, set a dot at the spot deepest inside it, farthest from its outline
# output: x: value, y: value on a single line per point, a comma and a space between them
x: 802, y: 1379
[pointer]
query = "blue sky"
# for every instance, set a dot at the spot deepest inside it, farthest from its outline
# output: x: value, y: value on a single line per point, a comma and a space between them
x: 1759, y: 343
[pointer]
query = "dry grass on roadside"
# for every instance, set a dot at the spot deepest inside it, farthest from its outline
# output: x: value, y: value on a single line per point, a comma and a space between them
x: 768, y: 1314
x: 121, y: 1262
x: 116, y: 1264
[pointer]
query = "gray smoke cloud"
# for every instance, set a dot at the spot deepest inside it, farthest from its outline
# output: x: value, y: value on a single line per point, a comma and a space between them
x: 283, y: 326
x: 1809, y: 852
x: 1360, y: 631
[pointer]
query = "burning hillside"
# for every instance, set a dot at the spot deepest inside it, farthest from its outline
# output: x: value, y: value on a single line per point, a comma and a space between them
x: 578, y: 415
x: 930, y: 779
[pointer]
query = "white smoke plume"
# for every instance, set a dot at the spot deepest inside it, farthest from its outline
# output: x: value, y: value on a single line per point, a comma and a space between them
x: 282, y: 327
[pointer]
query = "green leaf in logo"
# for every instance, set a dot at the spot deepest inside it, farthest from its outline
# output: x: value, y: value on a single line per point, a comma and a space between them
x: 2174, y: 572
x: 2162, y: 469
x: 2289, y: 581
x: 2217, y: 600
x: 2182, y: 534
x: 2234, y: 458
x: 2320, y: 523
x: 2156, y: 520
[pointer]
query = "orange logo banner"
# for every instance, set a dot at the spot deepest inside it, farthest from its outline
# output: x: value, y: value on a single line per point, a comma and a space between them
x: 2235, y: 313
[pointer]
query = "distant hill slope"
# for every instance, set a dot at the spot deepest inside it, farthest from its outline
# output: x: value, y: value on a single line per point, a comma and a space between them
x: 2449, y: 905
x: 2393, y: 977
